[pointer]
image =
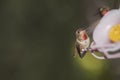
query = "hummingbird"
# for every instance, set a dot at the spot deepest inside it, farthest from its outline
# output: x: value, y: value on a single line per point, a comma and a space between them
x: 82, y: 42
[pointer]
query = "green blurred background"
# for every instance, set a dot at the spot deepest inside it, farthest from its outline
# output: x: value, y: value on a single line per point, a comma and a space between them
x: 37, y: 41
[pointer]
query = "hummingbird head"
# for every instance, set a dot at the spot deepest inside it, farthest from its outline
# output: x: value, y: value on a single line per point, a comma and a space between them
x: 103, y: 11
x: 81, y: 34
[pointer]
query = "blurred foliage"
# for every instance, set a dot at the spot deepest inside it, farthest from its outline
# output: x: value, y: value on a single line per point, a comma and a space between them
x: 37, y: 38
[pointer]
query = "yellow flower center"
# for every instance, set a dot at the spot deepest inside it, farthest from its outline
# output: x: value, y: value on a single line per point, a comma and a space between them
x: 114, y: 33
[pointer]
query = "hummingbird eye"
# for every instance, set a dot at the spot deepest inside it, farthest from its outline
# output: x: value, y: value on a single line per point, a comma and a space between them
x: 77, y: 32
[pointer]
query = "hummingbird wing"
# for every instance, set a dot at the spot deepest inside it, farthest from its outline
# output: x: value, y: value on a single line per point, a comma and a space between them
x: 79, y: 51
